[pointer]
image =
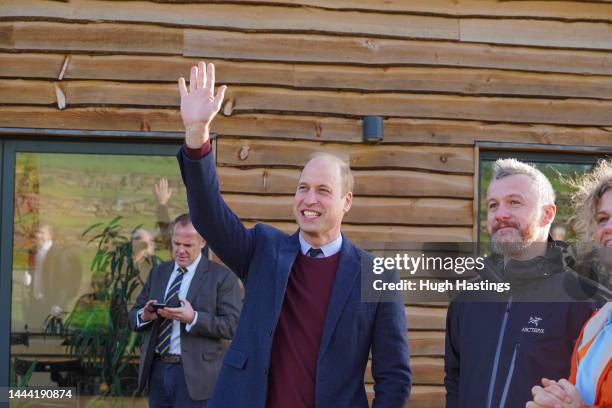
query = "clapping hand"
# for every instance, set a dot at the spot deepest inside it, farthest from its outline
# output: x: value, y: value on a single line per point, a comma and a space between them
x: 199, y: 104
x: 555, y: 394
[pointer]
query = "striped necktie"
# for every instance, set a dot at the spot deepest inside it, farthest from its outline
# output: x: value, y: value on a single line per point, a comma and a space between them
x: 165, y: 327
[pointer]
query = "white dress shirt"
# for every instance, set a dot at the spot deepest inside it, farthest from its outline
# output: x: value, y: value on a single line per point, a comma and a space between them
x: 329, y: 249
x: 175, y: 337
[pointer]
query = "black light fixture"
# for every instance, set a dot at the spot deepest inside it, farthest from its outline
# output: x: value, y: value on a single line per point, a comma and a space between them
x: 372, y: 129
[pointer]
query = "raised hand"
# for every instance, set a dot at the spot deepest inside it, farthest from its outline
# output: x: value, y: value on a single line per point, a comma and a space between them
x: 162, y: 191
x: 199, y: 104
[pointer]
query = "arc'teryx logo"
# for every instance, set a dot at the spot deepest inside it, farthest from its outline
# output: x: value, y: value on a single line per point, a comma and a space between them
x: 535, y: 321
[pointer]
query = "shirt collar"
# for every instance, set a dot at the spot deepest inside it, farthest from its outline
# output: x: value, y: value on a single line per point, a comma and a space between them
x: 329, y: 249
x: 190, y: 268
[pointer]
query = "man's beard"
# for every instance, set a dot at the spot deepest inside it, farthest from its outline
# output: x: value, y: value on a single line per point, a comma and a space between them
x: 510, y: 248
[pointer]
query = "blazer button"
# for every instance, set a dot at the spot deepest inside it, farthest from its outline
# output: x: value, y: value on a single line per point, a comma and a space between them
x: 265, y: 371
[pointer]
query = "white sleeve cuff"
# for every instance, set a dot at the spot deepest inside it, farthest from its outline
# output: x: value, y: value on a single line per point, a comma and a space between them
x: 140, y: 323
x: 190, y: 325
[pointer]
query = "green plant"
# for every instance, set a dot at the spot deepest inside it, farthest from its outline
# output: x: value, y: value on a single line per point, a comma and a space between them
x: 97, y: 329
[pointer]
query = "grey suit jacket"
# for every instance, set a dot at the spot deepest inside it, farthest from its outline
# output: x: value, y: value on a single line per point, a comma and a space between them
x: 214, y: 293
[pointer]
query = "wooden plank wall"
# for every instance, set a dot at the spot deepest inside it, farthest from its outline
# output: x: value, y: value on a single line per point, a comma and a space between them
x: 301, y: 73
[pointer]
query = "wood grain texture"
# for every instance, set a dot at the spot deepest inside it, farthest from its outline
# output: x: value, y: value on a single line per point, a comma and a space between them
x: 315, y: 128
x: 367, y: 183
x: 284, y: 153
x: 243, y: 17
x: 465, y: 81
x: 376, y: 51
x: 566, y: 10
x: 249, y: 99
x: 150, y: 39
x: 90, y: 37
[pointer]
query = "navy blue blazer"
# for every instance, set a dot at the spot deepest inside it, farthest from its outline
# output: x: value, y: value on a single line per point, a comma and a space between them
x: 262, y: 257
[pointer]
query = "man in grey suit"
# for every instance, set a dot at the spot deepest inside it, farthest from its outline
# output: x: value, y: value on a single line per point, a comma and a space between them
x: 182, y: 349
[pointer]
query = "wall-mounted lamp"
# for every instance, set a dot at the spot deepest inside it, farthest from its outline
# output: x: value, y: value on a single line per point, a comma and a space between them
x: 372, y: 129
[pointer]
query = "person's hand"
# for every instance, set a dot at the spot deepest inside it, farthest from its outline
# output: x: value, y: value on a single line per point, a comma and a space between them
x: 199, y: 105
x: 148, y: 313
x: 561, y: 394
x: 162, y: 191
x: 183, y: 314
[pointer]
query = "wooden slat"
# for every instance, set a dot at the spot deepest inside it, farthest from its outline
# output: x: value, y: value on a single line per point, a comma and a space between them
x: 538, y: 33
x: 572, y: 111
x: 24, y: 91
x: 365, y: 210
x: 90, y: 37
x: 425, y: 371
x: 426, y: 318
x: 244, y: 17
x: 248, y: 99
x: 147, y: 39
x: 304, y: 127
x: 412, y: 79
x: 367, y: 183
x: 426, y: 343
x: 363, y: 235
x: 568, y: 10
x: 281, y: 153
x: 319, y: 48
x: 262, y: 17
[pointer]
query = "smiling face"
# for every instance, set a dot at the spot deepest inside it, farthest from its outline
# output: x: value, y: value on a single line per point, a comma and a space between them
x: 186, y: 244
x: 515, y: 218
x: 319, y: 203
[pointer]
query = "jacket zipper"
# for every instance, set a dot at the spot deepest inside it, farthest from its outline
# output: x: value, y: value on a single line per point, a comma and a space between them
x: 509, y: 378
x: 500, y: 341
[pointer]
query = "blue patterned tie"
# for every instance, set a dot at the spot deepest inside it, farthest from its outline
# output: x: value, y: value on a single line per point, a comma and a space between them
x: 165, y: 327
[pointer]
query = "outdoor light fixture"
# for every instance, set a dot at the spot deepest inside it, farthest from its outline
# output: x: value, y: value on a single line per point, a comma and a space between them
x: 372, y: 128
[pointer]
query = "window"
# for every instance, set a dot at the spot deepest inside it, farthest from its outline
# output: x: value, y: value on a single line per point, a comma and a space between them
x: 57, y: 196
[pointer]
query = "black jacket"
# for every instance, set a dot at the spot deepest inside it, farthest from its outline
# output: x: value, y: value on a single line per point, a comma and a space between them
x: 498, y: 346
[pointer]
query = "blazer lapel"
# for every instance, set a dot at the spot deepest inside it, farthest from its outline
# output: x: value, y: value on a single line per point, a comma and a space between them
x: 346, y: 276
x: 198, y: 279
x: 286, y: 257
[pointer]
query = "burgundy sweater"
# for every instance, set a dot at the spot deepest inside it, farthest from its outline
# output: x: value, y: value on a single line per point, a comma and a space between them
x: 295, y: 347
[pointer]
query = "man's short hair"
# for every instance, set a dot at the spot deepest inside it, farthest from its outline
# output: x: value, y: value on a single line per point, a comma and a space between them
x: 511, y: 167
x: 346, y: 175
x: 182, y: 220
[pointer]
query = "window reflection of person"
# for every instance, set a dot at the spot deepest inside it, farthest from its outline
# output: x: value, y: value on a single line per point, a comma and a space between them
x: 144, y: 242
x: 53, y: 279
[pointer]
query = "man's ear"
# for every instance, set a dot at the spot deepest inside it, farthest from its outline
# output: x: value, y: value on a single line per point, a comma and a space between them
x: 348, y: 201
x: 548, y: 214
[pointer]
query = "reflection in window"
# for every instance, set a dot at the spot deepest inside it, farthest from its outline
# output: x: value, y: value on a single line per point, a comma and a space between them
x: 65, y: 281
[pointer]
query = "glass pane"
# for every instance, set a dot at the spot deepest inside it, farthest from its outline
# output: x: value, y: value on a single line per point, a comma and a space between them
x: 558, y: 174
x: 65, y: 279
